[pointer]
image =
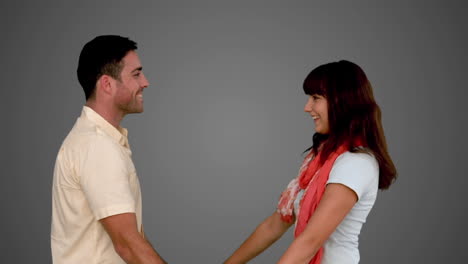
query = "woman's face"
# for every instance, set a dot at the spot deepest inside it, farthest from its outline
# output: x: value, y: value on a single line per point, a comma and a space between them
x: 317, y: 107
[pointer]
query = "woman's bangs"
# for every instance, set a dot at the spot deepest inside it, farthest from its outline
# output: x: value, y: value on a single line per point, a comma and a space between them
x: 313, y: 85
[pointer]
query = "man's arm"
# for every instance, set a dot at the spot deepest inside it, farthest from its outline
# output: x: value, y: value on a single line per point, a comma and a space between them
x: 131, y: 246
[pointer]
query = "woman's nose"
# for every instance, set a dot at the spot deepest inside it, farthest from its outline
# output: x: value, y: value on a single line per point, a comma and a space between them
x: 308, y: 106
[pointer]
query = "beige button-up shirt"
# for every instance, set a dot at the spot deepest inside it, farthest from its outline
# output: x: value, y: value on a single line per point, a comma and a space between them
x: 94, y: 177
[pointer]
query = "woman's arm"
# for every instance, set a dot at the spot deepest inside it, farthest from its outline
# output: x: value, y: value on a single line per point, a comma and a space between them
x: 270, y: 230
x: 336, y: 202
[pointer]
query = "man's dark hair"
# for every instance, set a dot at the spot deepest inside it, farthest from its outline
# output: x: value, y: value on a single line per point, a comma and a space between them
x: 102, y: 55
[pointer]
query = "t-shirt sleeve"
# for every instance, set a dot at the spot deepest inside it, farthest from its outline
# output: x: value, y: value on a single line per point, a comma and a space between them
x: 357, y: 171
x: 104, y: 179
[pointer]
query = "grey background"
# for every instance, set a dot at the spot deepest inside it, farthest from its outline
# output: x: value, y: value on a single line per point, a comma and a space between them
x: 224, y: 128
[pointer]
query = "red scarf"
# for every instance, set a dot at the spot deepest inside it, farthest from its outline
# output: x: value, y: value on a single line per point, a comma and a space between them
x: 313, y: 178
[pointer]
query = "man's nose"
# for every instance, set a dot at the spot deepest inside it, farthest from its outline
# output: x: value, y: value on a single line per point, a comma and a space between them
x: 145, y: 82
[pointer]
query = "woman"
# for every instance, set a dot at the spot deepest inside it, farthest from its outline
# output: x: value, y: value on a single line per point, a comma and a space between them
x: 339, y: 178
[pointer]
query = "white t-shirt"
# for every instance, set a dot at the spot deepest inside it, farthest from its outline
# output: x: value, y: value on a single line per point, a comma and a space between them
x: 360, y: 173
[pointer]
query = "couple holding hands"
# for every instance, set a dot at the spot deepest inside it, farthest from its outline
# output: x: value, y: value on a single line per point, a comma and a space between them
x: 96, y: 198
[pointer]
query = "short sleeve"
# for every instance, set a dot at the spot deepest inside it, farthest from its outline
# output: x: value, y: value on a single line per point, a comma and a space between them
x: 104, y: 179
x: 357, y: 171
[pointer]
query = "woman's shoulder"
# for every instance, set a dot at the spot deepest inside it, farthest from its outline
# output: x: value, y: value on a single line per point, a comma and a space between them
x: 357, y: 159
x: 357, y: 170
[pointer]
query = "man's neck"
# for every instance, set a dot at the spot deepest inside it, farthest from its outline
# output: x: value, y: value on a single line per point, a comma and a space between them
x: 110, y: 115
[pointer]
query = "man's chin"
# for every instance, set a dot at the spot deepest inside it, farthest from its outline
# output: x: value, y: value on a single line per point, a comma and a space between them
x: 135, y: 111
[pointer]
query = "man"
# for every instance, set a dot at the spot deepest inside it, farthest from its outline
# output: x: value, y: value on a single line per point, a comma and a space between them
x: 96, y: 199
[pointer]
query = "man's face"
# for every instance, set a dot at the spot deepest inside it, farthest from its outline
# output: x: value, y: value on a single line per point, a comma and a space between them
x: 129, y: 90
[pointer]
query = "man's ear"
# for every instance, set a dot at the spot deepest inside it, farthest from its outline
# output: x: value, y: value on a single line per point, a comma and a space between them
x: 105, y: 84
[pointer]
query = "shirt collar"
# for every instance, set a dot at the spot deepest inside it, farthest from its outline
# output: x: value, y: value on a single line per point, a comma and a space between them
x: 119, y: 134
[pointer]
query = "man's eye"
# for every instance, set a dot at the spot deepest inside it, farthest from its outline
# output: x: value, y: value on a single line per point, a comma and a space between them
x: 137, y: 74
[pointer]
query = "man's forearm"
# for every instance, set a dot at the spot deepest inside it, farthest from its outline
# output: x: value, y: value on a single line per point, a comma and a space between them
x: 139, y: 251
